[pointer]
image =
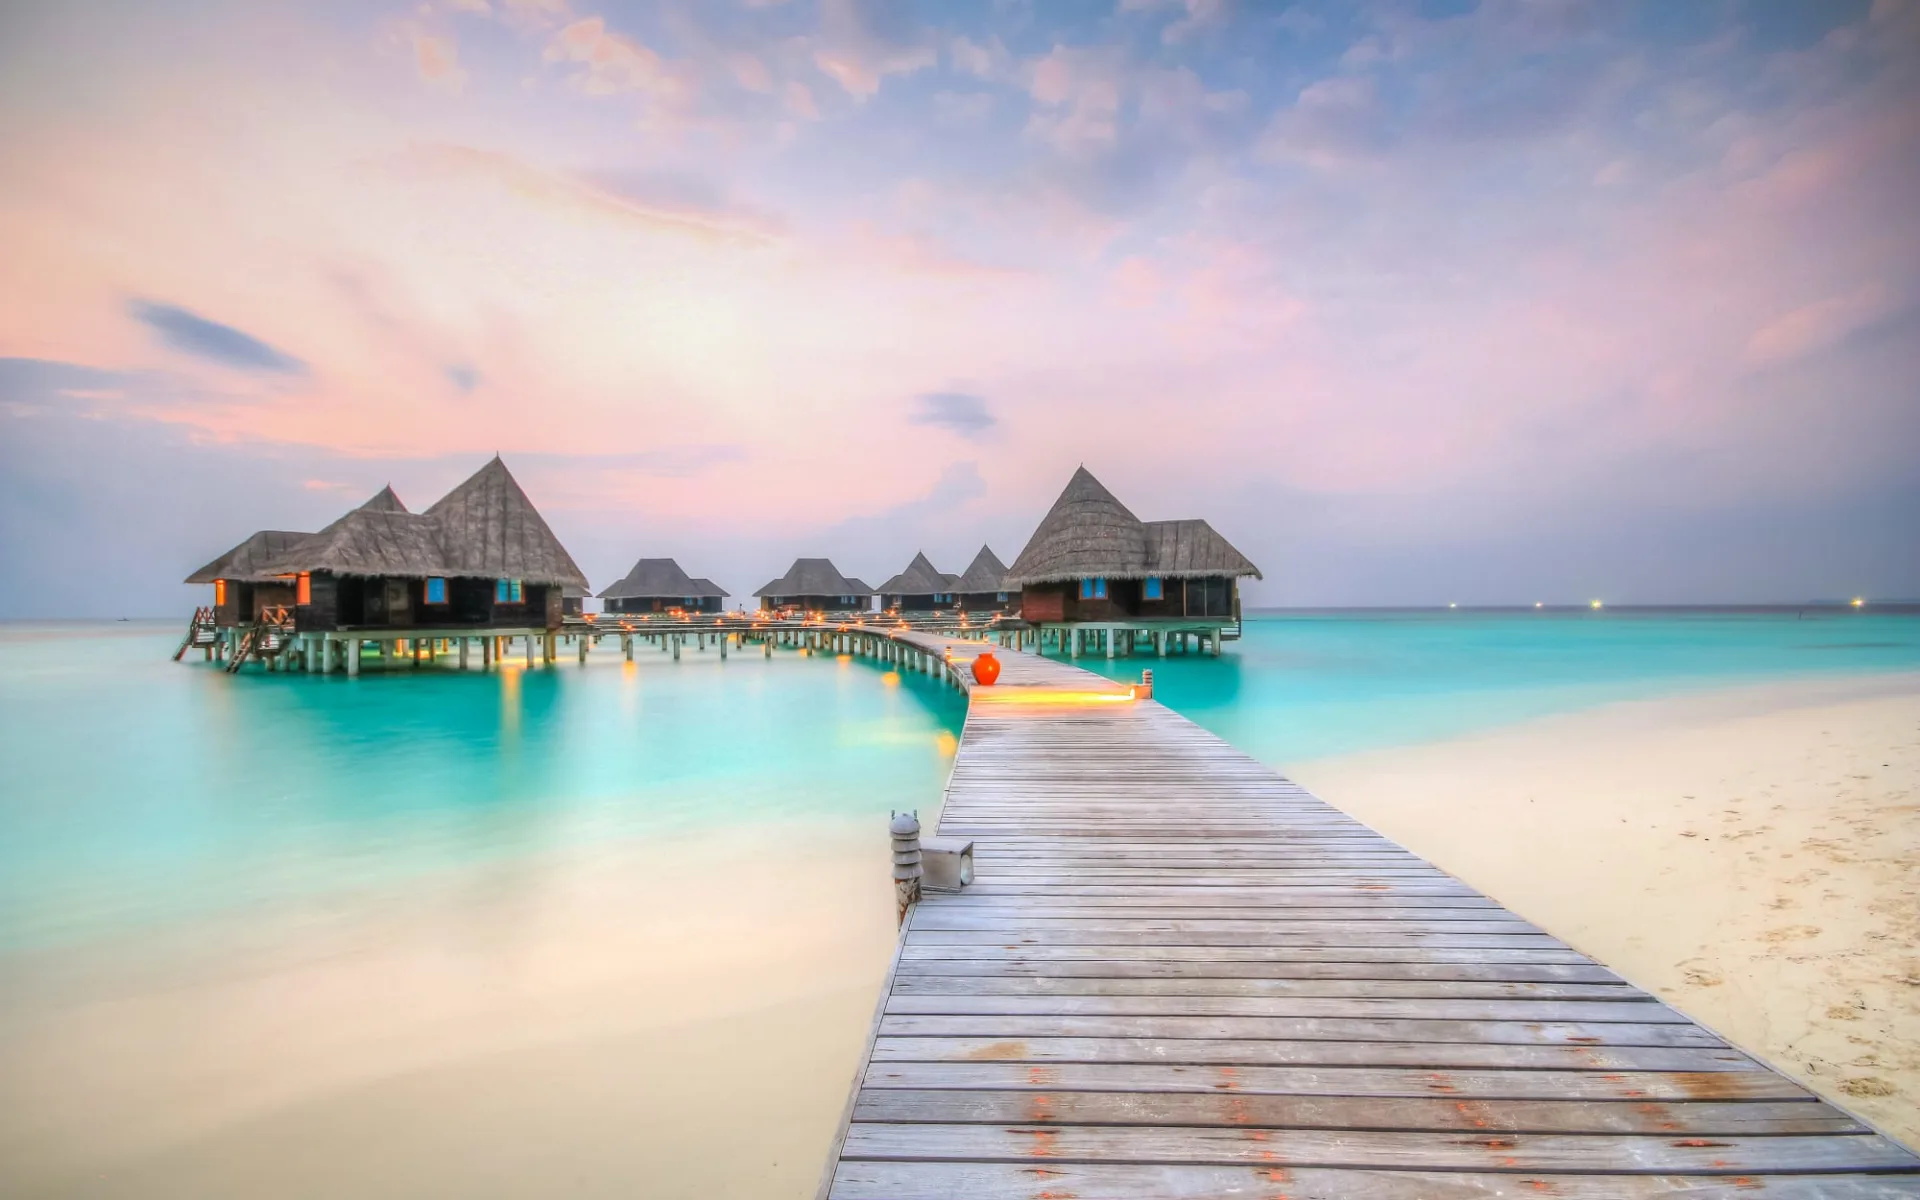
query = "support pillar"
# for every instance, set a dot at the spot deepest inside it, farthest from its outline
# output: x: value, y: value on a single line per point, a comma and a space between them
x: 583, y: 651
x: 353, y: 658
x: 677, y: 639
x: 546, y: 647
x: 626, y: 646
x: 1111, y: 640
x: 722, y: 639
x: 529, y: 651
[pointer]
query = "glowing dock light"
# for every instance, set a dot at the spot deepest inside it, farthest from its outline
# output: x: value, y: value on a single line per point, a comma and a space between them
x: 1859, y: 602
x: 1595, y: 604
x: 1451, y: 604
x: 1537, y: 604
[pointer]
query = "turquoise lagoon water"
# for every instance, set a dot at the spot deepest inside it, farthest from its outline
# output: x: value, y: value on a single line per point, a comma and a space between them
x: 1304, y: 685
x: 136, y: 792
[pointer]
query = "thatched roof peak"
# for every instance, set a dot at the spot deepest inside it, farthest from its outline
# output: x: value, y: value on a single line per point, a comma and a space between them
x: 384, y: 500
x: 660, y: 578
x: 814, y: 577
x: 492, y: 530
x: 986, y: 573
x: 921, y: 578
x: 1088, y: 533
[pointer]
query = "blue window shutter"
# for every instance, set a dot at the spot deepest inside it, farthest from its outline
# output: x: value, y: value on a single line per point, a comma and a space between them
x: 499, y: 591
x: 1153, y: 590
x: 436, y: 591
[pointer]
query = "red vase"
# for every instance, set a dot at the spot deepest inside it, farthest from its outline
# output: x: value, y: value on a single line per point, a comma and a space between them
x: 986, y: 669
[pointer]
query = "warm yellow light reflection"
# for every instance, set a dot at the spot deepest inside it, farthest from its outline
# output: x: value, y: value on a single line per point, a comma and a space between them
x: 891, y: 679
x: 947, y: 744
x: 1859, y: 602
x: 1596, y: 604
x: 1048, y: 696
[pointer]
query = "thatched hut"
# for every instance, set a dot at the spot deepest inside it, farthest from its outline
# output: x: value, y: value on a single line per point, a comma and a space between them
x: 982, y: 587
x: 919, y: 588
x: 482, y: 557
x: 815, y: 585
x: 1092, y: 560
x: 659, y: 585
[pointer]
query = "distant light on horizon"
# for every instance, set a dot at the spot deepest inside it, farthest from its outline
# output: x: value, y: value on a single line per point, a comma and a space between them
x: 1451, y: 604
x: 1537, y: 604
x: 1859, y: 602
x: 1596, y: 604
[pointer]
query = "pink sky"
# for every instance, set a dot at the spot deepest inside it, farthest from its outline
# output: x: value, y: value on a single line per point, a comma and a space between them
x: 1416, y: 302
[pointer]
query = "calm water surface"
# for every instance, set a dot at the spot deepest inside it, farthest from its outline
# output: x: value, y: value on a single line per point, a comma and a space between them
x: 1307, y: 685
x: 140, y: 792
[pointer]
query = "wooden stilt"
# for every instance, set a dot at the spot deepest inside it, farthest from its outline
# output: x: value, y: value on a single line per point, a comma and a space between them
x: 353, y: 658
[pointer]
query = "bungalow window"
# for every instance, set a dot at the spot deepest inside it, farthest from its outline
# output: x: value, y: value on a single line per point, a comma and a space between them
x: 303, y: 588
x: 1153, y: 589
x: 506, y: 591
x: 436, y: 591
x: 1001, y: 597
x: 219, y: 592
x: 1093, y: 589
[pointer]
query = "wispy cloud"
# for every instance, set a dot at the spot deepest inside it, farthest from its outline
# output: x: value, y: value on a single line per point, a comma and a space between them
x: 191, y: 333
x: 962, y: 412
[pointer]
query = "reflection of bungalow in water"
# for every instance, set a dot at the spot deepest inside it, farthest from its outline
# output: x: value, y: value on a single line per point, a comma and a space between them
x: 815, y: 585
x: 982, y: 587
x: 919, y: 588
x: 481, y: 560
x: 659, y: 585
x: 1095, y: 569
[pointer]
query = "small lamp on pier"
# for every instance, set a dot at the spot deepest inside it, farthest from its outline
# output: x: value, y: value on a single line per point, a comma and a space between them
x: 1144, y: 689
x: 946, y: 863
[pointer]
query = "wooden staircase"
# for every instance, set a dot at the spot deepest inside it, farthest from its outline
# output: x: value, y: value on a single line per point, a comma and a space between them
x: 202, y: 634
x: 263, y: 639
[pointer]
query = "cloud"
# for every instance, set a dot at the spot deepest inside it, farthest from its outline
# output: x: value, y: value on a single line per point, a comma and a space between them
x: 190, y: 333
x: 610, y: 63
x: 603, y: 196
x: 960, y: 412
x: 1817, y: 326
x: 861, y: 42
x: 463, y: 376
x: 1077, y: 90
x: 437, y: 61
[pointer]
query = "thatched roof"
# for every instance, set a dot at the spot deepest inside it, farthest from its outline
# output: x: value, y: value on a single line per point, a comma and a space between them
x: 245, y: 560
x: 1086, y: 533
x: 985, y: 574
x: 1186, y: 549
x: 920, y: 578
x: 492, y: 531
x: 661, y: 579
x: 484, y: 529
x: 1090, y: 534
x: 379, y: 538
x: 814, y: 577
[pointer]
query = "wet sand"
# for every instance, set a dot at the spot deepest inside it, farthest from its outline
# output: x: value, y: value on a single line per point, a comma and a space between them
x: 675, y: 1020
x: 1751, y: 855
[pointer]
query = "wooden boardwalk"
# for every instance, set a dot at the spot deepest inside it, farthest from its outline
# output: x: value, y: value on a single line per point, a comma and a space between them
x: 1180, y: 975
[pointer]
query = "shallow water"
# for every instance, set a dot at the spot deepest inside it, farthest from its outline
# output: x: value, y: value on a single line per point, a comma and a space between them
x: 1302, y: 686
x: 136, y: 791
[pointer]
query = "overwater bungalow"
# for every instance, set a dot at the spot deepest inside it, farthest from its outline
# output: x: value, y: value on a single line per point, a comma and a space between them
x: 919, y: 588
x: 815, y: 585
x: 982, y: 587
x: 658, y: 585
x: 1092, y: 568
x: 481, y: 560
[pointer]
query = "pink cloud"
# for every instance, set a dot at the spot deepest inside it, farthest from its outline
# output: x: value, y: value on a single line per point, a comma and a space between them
x: 1817, y: 326
x: 437, y: 61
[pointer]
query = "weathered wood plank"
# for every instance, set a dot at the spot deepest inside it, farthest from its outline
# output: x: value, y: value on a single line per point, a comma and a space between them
x: 1368, y: 989
x: 1686, y: 1118
x: 1014, y: 1181
x: 1353, y: 1148
x: 1642, y: 1010
x: 1324, y: 1053
x: 1342, y: 1081
x: 1347, y: 1029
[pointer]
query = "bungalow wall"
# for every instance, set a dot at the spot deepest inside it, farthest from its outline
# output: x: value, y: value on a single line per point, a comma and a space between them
x: 660, y: 604
x: 819, y: 603
x: 388, y: 602
x: 925, y: 602
x: 1210, y: 597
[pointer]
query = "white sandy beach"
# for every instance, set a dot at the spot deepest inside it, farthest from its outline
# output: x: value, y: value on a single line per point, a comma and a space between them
x: 1751, y: 855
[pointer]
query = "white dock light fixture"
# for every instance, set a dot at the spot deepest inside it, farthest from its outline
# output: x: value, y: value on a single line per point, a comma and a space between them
x: 948, y: 863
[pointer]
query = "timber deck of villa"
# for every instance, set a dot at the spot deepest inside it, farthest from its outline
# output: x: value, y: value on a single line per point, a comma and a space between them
x: 1179, y: 975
